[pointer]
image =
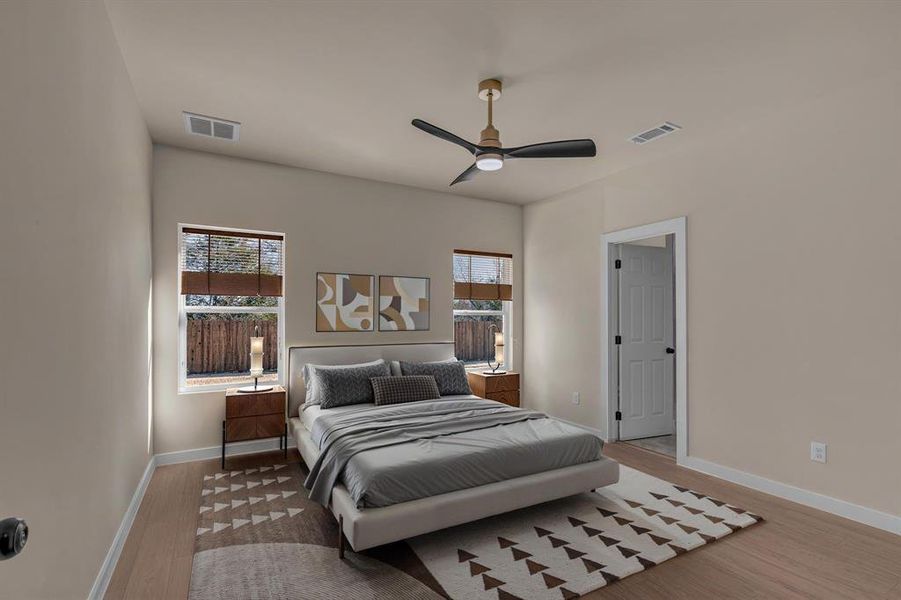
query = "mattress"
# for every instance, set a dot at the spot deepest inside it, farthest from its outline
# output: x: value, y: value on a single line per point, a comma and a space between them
x: 309, y: 414
x: 421, y: 468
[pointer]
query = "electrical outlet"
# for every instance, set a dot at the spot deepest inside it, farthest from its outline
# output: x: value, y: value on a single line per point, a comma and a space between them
x: 576, y: 398
x: 818, y: 452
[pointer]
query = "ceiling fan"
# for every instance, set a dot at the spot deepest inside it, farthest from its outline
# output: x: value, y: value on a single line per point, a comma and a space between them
x: 490, y: 154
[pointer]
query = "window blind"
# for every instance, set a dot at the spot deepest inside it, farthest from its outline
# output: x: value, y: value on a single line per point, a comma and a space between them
x: 231, y: 263
x: 482, y: 275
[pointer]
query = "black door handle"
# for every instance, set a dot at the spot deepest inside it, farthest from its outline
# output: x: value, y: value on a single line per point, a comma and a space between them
x: 670, y: 350
x: 13, y: 535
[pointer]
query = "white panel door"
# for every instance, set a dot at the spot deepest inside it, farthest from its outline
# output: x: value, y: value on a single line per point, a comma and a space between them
x: 646, y: 369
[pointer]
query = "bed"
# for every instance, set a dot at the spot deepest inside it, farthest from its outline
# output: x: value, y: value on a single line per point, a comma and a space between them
x: 381, y: 495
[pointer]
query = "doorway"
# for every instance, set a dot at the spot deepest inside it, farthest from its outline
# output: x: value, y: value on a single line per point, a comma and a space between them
x: 644, y: 337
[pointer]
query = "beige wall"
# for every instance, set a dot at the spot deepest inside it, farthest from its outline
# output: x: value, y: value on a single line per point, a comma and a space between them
x: 794, y: 279
x: 75, y: 268
x: 331, y: 223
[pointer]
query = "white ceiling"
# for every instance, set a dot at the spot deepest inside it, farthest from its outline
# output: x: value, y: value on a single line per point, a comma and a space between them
x: 333, y: 86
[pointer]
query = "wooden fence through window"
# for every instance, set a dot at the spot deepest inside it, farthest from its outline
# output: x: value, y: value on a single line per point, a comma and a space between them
x: 216, y: 346
x: 473, y: 341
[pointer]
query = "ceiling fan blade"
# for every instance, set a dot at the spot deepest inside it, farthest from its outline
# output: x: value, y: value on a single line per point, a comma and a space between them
x: 444, y: 135
x: 562, y: 149
x: 466, y: 175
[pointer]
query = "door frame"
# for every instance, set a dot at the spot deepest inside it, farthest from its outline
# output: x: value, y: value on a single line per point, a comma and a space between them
x: 676, y: 227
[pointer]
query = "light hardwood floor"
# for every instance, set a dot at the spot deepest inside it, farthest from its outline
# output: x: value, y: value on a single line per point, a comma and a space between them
x: 661, y: 444
x: 798, y: 552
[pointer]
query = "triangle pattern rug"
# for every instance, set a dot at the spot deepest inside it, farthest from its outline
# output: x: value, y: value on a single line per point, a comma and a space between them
x: 249, y: 505
x: 566, y: 548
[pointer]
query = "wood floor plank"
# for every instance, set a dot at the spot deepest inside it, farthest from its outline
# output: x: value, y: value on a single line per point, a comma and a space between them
x: 150, y: 573
x: 130, y: 550
x: 189, y: 501
x: 798, y: 552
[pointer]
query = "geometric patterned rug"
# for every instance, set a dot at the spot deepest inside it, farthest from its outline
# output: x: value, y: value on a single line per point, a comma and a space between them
x: 263, y: 494
x: 569, y: 547
x: 258, y: 535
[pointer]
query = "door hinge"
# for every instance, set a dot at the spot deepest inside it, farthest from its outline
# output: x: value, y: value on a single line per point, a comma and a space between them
x: 618, y: 340
x: 619, y: 416
x: 618, y: 264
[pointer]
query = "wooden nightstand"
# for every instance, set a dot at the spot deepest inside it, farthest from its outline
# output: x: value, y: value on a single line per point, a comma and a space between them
x: 255, y: 416
x: 503, y: 388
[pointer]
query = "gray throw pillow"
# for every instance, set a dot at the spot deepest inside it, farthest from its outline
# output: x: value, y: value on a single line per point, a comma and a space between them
x: 312, y: 395
x: 409, y: 388
x: 450, y: 375
x: 342, y: 387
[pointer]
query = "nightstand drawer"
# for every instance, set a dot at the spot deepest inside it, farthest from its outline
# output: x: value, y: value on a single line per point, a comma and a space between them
x: 255, y: 416
x: 502, y: 388
x: 270, y: 425
x: 242, y: 428
x: 247, y: 405
x: 502, y: 383
x: 507, y: 397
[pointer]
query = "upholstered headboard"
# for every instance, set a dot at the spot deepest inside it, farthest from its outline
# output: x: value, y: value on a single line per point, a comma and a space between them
x: 298, y: 356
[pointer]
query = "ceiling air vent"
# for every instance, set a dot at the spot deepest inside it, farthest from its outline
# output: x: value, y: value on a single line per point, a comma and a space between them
x: 211, y: 127
x: 652, y: 134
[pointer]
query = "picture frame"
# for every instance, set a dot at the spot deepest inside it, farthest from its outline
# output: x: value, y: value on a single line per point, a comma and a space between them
x: 345, y: 302
x: 404, y: 303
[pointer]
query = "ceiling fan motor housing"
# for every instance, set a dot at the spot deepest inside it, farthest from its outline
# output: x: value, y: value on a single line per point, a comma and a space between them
x: 490, y: 137
x: 489, y: 161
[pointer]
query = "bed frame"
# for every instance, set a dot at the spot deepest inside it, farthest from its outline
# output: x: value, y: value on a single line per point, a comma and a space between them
x: 370, y: 527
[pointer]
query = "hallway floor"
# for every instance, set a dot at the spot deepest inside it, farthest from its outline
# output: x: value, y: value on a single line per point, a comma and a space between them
x: 663, y: 444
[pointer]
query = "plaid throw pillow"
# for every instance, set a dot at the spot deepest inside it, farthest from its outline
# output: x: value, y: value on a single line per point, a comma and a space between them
x: 412, y: 388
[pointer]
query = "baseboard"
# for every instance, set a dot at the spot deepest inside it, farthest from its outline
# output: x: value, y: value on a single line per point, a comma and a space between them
x: 98, y: 590
x: 842, y: 508
x: 232, y: 449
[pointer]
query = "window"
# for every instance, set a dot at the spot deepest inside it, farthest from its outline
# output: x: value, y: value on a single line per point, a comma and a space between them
x: 231, y: 290
x: 483, y: 294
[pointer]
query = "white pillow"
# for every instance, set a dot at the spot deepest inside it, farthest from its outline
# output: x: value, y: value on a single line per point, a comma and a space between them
x: 309, y: 377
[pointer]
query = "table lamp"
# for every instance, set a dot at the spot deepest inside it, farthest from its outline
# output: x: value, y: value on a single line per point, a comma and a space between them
x: 498, y: 351
x: 256, y: 363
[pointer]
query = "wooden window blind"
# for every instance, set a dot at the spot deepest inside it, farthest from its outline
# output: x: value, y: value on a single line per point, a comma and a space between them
x: 482, y: 275
x: 231, y: 263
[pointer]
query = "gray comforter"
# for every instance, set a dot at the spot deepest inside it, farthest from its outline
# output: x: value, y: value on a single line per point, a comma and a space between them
x: 391, y: 454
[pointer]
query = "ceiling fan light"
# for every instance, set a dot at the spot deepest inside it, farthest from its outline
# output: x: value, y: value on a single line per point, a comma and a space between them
x: 489, y: 162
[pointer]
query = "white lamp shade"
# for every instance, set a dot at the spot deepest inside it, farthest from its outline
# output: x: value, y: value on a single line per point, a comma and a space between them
x: 256, y: 356
x: 499, y: 348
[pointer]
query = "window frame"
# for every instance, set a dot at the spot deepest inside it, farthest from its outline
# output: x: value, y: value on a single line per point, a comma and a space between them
x: 184, y: 310
x: 506, y: 314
